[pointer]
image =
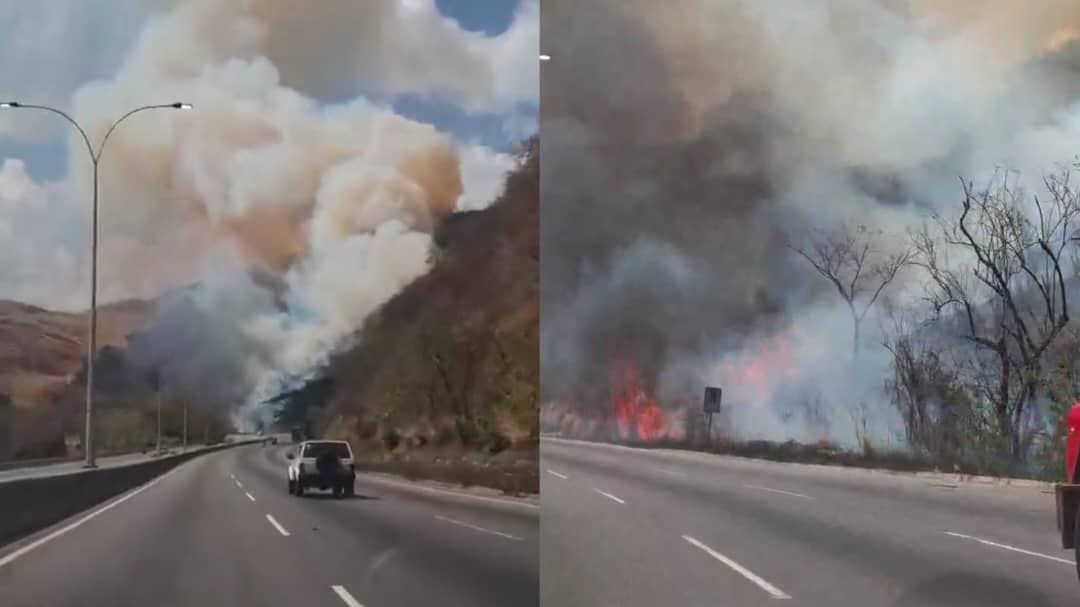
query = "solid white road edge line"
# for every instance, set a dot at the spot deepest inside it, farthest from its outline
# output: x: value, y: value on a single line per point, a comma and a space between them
x: 746, y: 573
x: 557, y: 474
x: 480, y: 529
x: 459, y: 494
x: 609, y: 496
x: 277, y: 526
x: 55, y: 534
x: 781, y: 491
x: 344, y: 595
x: 1012, y: 548
x: 250, y: 496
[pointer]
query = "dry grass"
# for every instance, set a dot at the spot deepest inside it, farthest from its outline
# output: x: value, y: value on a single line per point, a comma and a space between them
x: 519, y: 475
x: 825, y: 453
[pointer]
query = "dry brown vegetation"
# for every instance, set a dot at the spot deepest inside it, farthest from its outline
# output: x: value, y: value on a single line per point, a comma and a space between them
x: 41, y: 350
x: 448, y: 368
x: 41, y: 354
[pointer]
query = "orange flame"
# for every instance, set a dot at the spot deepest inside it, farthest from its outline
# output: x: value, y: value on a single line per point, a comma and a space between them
x: 635, y: 411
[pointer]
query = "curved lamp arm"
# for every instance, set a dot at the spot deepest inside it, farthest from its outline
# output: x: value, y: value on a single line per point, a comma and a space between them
x: 95, y: 155
x: 61, y: 113
x: 101, y: 146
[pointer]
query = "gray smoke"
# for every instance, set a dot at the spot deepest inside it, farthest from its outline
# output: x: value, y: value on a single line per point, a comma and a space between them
x: 683, y: 147
x: 197, y: 342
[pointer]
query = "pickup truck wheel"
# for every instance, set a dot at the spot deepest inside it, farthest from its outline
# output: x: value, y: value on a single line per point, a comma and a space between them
x: 1076, y: 541
x: 350, y: 490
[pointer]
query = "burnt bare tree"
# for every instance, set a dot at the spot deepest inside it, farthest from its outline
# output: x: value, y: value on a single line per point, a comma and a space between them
x: 997, y: 275
x: 926, y: 387
x: 851, y: 259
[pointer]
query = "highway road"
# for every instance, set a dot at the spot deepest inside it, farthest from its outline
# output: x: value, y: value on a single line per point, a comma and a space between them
x: 222, y: 530
x: 634, y: 528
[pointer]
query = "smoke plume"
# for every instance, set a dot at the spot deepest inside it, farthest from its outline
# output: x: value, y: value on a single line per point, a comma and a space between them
x: 686, y: 146
x: 294, y: 219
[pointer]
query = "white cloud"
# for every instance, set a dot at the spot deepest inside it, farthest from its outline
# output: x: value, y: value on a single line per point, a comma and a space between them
x: 483, y: 173
x: 514, y: 54
x: 36, y: 239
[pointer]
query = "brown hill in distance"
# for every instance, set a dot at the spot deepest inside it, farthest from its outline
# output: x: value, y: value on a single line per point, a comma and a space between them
x: 42, y: 350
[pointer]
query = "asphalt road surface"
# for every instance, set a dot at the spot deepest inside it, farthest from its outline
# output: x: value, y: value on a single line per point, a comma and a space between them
x: 222, y: 530
x: 646, y: 528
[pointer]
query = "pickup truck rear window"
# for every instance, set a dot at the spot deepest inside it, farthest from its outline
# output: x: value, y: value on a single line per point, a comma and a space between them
x: 341, y: 450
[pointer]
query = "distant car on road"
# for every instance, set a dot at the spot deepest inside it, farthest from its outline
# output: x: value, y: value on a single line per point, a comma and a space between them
x: 322, y: 464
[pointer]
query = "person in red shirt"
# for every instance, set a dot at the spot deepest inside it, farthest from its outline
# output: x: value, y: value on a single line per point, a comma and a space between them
x: 1072, y: 442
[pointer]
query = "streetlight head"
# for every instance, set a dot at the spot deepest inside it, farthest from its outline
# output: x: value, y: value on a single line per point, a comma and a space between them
x: 182, y: 106
x: 9, y: 104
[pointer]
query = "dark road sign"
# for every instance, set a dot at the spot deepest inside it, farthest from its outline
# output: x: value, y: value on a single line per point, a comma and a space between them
x: 712, y: 400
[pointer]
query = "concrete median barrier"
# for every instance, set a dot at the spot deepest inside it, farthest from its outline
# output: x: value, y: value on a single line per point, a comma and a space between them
x: 31, y: 504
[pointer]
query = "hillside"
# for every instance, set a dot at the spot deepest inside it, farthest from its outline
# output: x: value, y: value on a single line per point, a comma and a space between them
x: 450, y: 364
x: 43, y: 385
x: 41, y: 350
x: 42, y: 357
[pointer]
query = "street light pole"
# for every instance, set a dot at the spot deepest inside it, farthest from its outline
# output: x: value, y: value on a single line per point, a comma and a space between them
x: 95, y: 159
x: 158, y: 399
x: 185, y: 426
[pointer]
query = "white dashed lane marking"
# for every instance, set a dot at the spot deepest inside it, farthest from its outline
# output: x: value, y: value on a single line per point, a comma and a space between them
x: 610, y: 496
x: 277, y: 525
x: 344, y: 595
x: 743, y: 571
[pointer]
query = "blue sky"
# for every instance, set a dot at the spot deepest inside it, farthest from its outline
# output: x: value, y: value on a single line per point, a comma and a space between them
x: 489, y: 16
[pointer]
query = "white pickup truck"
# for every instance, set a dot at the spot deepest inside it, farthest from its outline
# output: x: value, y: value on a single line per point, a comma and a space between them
x: 322, y: 464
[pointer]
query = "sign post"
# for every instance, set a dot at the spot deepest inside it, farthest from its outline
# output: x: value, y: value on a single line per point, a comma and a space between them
x: 153, y: 378
x: 712, y: 405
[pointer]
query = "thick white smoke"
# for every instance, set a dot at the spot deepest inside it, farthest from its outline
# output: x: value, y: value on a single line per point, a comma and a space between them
x: 335, y: 203
x: 723, y: 129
